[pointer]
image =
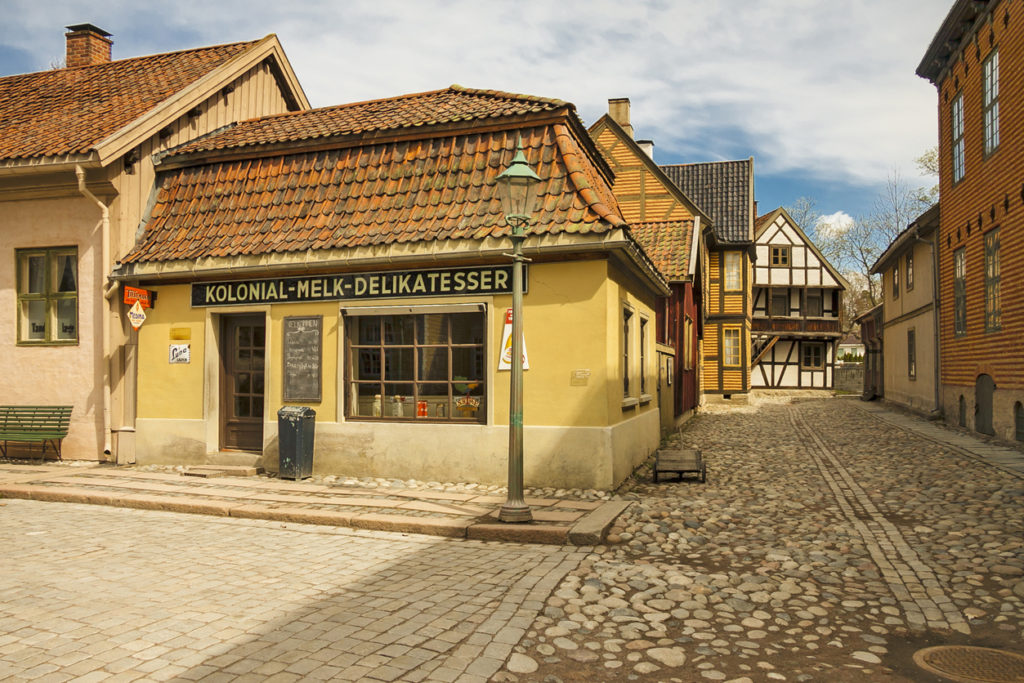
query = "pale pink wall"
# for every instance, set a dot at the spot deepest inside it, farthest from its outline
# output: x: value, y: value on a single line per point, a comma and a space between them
x: 55, y: 375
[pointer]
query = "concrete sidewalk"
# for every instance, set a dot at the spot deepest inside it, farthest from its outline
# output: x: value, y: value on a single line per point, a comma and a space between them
x: 557, y: 521
x: 1005, y: 458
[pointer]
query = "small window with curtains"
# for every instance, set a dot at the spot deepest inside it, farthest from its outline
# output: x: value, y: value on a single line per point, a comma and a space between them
x: 47, y: 281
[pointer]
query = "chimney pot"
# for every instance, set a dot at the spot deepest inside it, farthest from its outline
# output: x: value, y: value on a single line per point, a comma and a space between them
x: 86, y: 45
x: 618, y: 110
x: 647, y: 146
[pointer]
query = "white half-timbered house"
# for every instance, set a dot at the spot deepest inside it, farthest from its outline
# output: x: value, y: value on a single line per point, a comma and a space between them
x: 797, y: 316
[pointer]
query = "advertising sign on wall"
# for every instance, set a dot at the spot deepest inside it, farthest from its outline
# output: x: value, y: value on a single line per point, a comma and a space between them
x: 475, y: 281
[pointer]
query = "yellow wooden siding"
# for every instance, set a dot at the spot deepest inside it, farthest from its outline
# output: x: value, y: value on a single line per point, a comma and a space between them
x: 733, y: 380
x: 657, y: 204
x: 710, y: 376
x: 627, y: 181
x: 733, y: 304
x: 711, y: 340
x: 714, y: 270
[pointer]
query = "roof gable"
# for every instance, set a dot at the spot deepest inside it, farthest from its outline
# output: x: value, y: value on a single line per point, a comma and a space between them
x: 607, y: 123
x: 724, y: 190
x: 780, y: 217
x: 104, y: 109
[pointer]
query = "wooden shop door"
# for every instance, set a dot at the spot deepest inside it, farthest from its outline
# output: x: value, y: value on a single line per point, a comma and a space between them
x: 243, y: 346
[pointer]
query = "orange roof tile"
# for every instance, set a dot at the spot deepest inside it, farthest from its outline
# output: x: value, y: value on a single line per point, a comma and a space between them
x: 668, y: 244
x: 438, y: 186
x: 450, y: 105
x: 68, y: 111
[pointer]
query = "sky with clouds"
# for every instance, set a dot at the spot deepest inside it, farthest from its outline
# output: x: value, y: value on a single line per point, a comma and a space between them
x: 822, y: 94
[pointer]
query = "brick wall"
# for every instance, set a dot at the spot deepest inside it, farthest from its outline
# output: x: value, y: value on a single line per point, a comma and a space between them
x: 85, y: 48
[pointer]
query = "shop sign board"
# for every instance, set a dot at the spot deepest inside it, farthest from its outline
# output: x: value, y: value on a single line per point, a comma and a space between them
x: 179, y: 353
x: 143, y: 296
x: 136, y: 316
x: 474, y: 281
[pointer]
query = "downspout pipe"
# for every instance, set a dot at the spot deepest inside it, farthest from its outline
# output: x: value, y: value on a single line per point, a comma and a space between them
x: 107, y: 294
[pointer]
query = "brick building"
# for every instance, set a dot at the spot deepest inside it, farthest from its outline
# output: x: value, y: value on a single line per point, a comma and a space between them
x: 975, y: 62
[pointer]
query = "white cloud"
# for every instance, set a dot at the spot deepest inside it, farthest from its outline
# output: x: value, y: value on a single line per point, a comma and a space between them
x: 824, y: 89
x: 834, y: 223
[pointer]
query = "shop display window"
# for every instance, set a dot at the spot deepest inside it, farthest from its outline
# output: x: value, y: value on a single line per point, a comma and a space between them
x: 425, y: 367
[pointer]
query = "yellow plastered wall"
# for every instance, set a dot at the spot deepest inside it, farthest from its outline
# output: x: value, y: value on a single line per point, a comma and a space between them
x: 563, y: 324
x: 565, y: 320
x: 623, y: 293
x: 166, y: 390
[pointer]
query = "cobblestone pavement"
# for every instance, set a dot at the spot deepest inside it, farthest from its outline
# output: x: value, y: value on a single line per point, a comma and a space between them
x: 827, y: 545
x: 95, y: 593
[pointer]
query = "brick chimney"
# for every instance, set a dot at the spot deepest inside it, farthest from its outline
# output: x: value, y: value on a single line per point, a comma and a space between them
x: 618, y: 110
x: 86, y: 45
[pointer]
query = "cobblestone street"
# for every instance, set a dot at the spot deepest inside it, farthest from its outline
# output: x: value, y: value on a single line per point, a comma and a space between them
x: 827, y: 545
x: 95, y: 593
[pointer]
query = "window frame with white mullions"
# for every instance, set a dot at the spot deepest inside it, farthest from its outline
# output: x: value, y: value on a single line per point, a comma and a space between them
x: 47, y: 301
x: 732, y: 271
x: 990, y: 102
x: 957, y: 133
x: 417, y: 333
x: 732, y: 347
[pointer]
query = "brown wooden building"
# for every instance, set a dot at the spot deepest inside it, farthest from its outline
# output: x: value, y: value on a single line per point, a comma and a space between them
x: 725, y: 191
x: 976, y: 62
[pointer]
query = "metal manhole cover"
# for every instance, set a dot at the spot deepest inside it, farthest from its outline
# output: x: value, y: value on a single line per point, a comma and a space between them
x: 972, y: 664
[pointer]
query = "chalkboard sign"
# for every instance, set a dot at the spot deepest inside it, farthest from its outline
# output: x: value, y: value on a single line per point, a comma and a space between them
x: 302, y: 356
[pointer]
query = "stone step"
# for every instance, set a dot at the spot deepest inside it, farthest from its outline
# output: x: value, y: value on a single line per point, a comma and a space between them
x: 210, y: 471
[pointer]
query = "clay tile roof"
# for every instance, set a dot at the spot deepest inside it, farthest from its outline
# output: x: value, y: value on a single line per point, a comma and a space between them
x: 440, y: 186
x: 68, y: 111
x: 760, y: 221
x: 668, y: 244
x: 722, y: 189
x: 450, y: 105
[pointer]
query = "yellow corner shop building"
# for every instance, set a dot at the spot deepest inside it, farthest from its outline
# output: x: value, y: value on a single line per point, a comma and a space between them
x: 354, y: 259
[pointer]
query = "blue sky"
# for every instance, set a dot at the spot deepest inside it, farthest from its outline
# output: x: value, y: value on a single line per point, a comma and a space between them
x: 822, y: 94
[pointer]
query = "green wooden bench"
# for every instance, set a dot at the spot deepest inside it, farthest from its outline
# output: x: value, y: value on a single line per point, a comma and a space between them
x: 45, y: 424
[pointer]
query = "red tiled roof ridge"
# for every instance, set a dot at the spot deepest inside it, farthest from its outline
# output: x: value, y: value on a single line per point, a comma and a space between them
x: 579, y: 179
x: 126, y: 60
x: 329, y: 122
x: 705, y: 163
x: 510, y: 95
x: 657, y: 223
x: 764, y: 217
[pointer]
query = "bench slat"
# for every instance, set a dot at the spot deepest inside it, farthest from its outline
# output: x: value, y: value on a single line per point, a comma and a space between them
x: 34, y: 424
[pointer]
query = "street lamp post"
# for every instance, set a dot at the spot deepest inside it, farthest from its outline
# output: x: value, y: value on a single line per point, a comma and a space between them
x: 517, y: 187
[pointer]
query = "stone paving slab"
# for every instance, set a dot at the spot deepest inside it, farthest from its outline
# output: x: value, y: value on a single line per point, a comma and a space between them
x: 99, y: 593
x: 437, y: 513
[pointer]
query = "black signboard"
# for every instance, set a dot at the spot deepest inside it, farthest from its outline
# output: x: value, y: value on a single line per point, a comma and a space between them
x: 302, y: 355
x: 478, y: 280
